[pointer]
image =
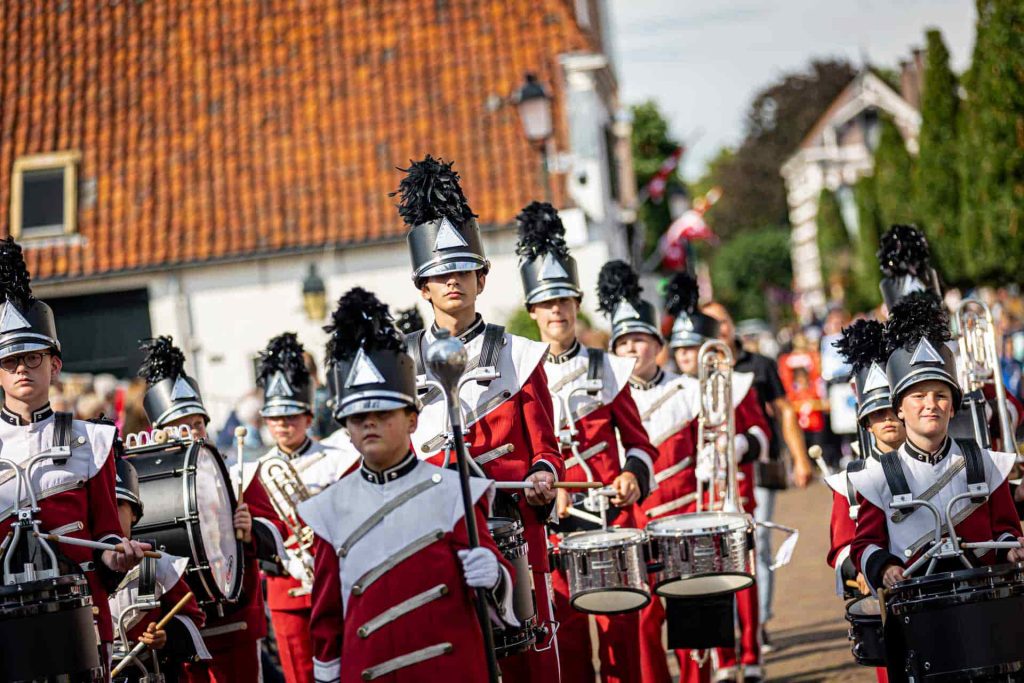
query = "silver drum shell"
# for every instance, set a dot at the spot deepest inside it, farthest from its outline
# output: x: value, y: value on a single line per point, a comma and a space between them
x: 702, y: 553
x: 606, y: 571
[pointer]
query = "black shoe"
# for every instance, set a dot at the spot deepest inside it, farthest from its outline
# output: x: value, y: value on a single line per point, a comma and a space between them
x: 766, y: 644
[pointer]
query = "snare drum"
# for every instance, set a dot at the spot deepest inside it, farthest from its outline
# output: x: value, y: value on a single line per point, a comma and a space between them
x: 703, y: 553
x: 47, y: 632
x: 606, y: 570
x: 508, y: 536
x: 956, y: 626
x: 865, y: 633
x: 190, y: 507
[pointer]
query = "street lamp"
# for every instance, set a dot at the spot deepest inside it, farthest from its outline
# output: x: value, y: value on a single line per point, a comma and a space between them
x: 314, y: 295
x: 534, y: 105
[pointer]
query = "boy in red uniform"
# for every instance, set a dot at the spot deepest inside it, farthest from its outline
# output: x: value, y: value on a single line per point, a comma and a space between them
x: 509, y: 426
x: 394, y: 573
x: 603, y: 417
x: 75, y: 492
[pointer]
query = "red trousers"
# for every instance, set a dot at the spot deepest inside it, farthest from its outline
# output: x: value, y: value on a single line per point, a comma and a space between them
x: 239, y: 661
x: 532, y: 666
x: 618, y: 641
x: 291, y: 629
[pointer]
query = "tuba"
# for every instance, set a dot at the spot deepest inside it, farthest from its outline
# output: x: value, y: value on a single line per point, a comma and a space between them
x: 716, y: 426
x: 979, y: 355
x: 286, y: 490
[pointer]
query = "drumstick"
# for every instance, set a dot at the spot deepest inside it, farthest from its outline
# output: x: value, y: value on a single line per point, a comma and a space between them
x: 815, y: 454
x: 137, y: 650
x: 240, y: 433
x: 556, y: 485
x: 96, y: 545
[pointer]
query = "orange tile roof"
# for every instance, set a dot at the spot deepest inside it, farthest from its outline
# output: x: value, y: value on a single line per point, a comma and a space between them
x: 212, y: 130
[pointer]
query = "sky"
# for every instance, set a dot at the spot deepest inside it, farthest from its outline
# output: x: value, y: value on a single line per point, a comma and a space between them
x: 703, y: 60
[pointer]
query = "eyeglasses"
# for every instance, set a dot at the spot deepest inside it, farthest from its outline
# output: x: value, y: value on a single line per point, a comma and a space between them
x: 30, y: 360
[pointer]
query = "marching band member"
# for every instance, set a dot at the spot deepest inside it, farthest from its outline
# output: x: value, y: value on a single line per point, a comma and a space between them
x: 508, y: 420
x: 155, y: 581
x: 922, y: 378
x: 288, y: 413
x: 392, y: 593
x: 75, y: 490
x: 604, y: 419
x: 750, y: 443
x: 863, y: 347
x: 667, y: 404
x: 232, y: 633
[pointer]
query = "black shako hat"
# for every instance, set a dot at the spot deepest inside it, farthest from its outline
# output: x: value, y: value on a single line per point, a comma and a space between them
x: 915, y: 337
x: 547, y: 269
x: 366, y: 358
x: 26, y: 323
x: 904, y: 257
x: 618, y: 297
x: 863, y: 347
x: 171, y: 394
x: 283, y: 376
x: 690, y: 327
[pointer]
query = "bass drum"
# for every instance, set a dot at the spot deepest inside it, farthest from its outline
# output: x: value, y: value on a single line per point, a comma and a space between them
x: 190, y: 506
x: 47, y: 632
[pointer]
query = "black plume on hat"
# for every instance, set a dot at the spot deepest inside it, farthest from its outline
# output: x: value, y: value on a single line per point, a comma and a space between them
x: 682, y: 294
x: 14, y: 279
x: 540, y: 231
x: 409, y: 320
x: 430, y: 190
x: 163, y: 360
x: 919, y: 315
x: 284, y: 354
x: 862, y: 344
x: 617, y: 282
x: 903, y: 250
x: 361, y: 320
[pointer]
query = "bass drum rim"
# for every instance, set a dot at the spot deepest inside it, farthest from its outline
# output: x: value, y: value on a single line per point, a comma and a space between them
x: 582, y: 595
x: 661, y: 588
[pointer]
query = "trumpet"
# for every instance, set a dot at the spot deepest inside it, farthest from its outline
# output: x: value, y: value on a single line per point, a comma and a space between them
x: 716, y: 425
x: 286, y: 490
x: 979, y: 354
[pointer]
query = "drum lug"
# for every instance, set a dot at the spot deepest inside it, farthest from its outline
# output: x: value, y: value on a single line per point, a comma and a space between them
x: 548, y: 631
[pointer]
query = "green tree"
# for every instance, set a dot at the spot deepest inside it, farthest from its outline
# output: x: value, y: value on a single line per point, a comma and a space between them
x: 992, y: 152
x: 894, y: 180
x: 937, y: 182
x: 780, y: 115
x: 652, y: 144
x: 746, y: 267
x: 833, y: 242
x: 522, y: 324
x: 864, y: 294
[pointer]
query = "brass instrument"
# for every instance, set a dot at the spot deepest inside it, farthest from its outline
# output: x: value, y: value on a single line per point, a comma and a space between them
x: 286, y: 491
x: 716, y: 425
x: 979, y: 353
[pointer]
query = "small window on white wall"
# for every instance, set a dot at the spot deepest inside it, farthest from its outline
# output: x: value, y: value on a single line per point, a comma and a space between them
x: 44, y: 195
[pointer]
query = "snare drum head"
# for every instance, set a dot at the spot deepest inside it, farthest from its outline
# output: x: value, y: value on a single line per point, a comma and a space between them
x: 867, y: 606
x: 503, y: 526
x: 213, y: 502
x: 614, y: 601
x: 698, y: 523
x: 583, y: 540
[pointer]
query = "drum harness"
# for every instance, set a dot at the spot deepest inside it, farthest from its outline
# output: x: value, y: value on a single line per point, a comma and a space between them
x: 903, y: 503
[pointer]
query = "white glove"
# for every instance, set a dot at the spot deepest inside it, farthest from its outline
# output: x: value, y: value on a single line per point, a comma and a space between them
x: 705, y: 468
x: 480, y: 567
x: 295, y: 567
x: 740, y: 446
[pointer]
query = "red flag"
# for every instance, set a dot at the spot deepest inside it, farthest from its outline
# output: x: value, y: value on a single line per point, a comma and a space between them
x: 656, y: 187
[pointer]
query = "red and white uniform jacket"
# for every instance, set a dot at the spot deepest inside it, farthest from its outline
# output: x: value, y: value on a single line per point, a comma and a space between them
x: 885, y: 536
x: 668, y: 405
x: 389, y: 598
x: 75, y: 499
x: 843, y: 525
x: 752, y: 435
x: 318, y: 467
x: 183, y: 638
x: 508, y: 423
x: 611, y: 438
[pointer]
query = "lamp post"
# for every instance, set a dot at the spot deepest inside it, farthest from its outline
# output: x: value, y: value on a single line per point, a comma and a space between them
x: 534, y: 105
x: 314, y: 295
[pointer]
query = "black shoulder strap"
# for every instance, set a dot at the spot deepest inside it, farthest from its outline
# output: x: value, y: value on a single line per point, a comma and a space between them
x: 147, y: 579
x: 975, y: 464
x: 62, y: 433
x: 851, y: 493
x: 595, y: 366
x: 894, y: 475
x: 494, y: 338
x: 412, y: 341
